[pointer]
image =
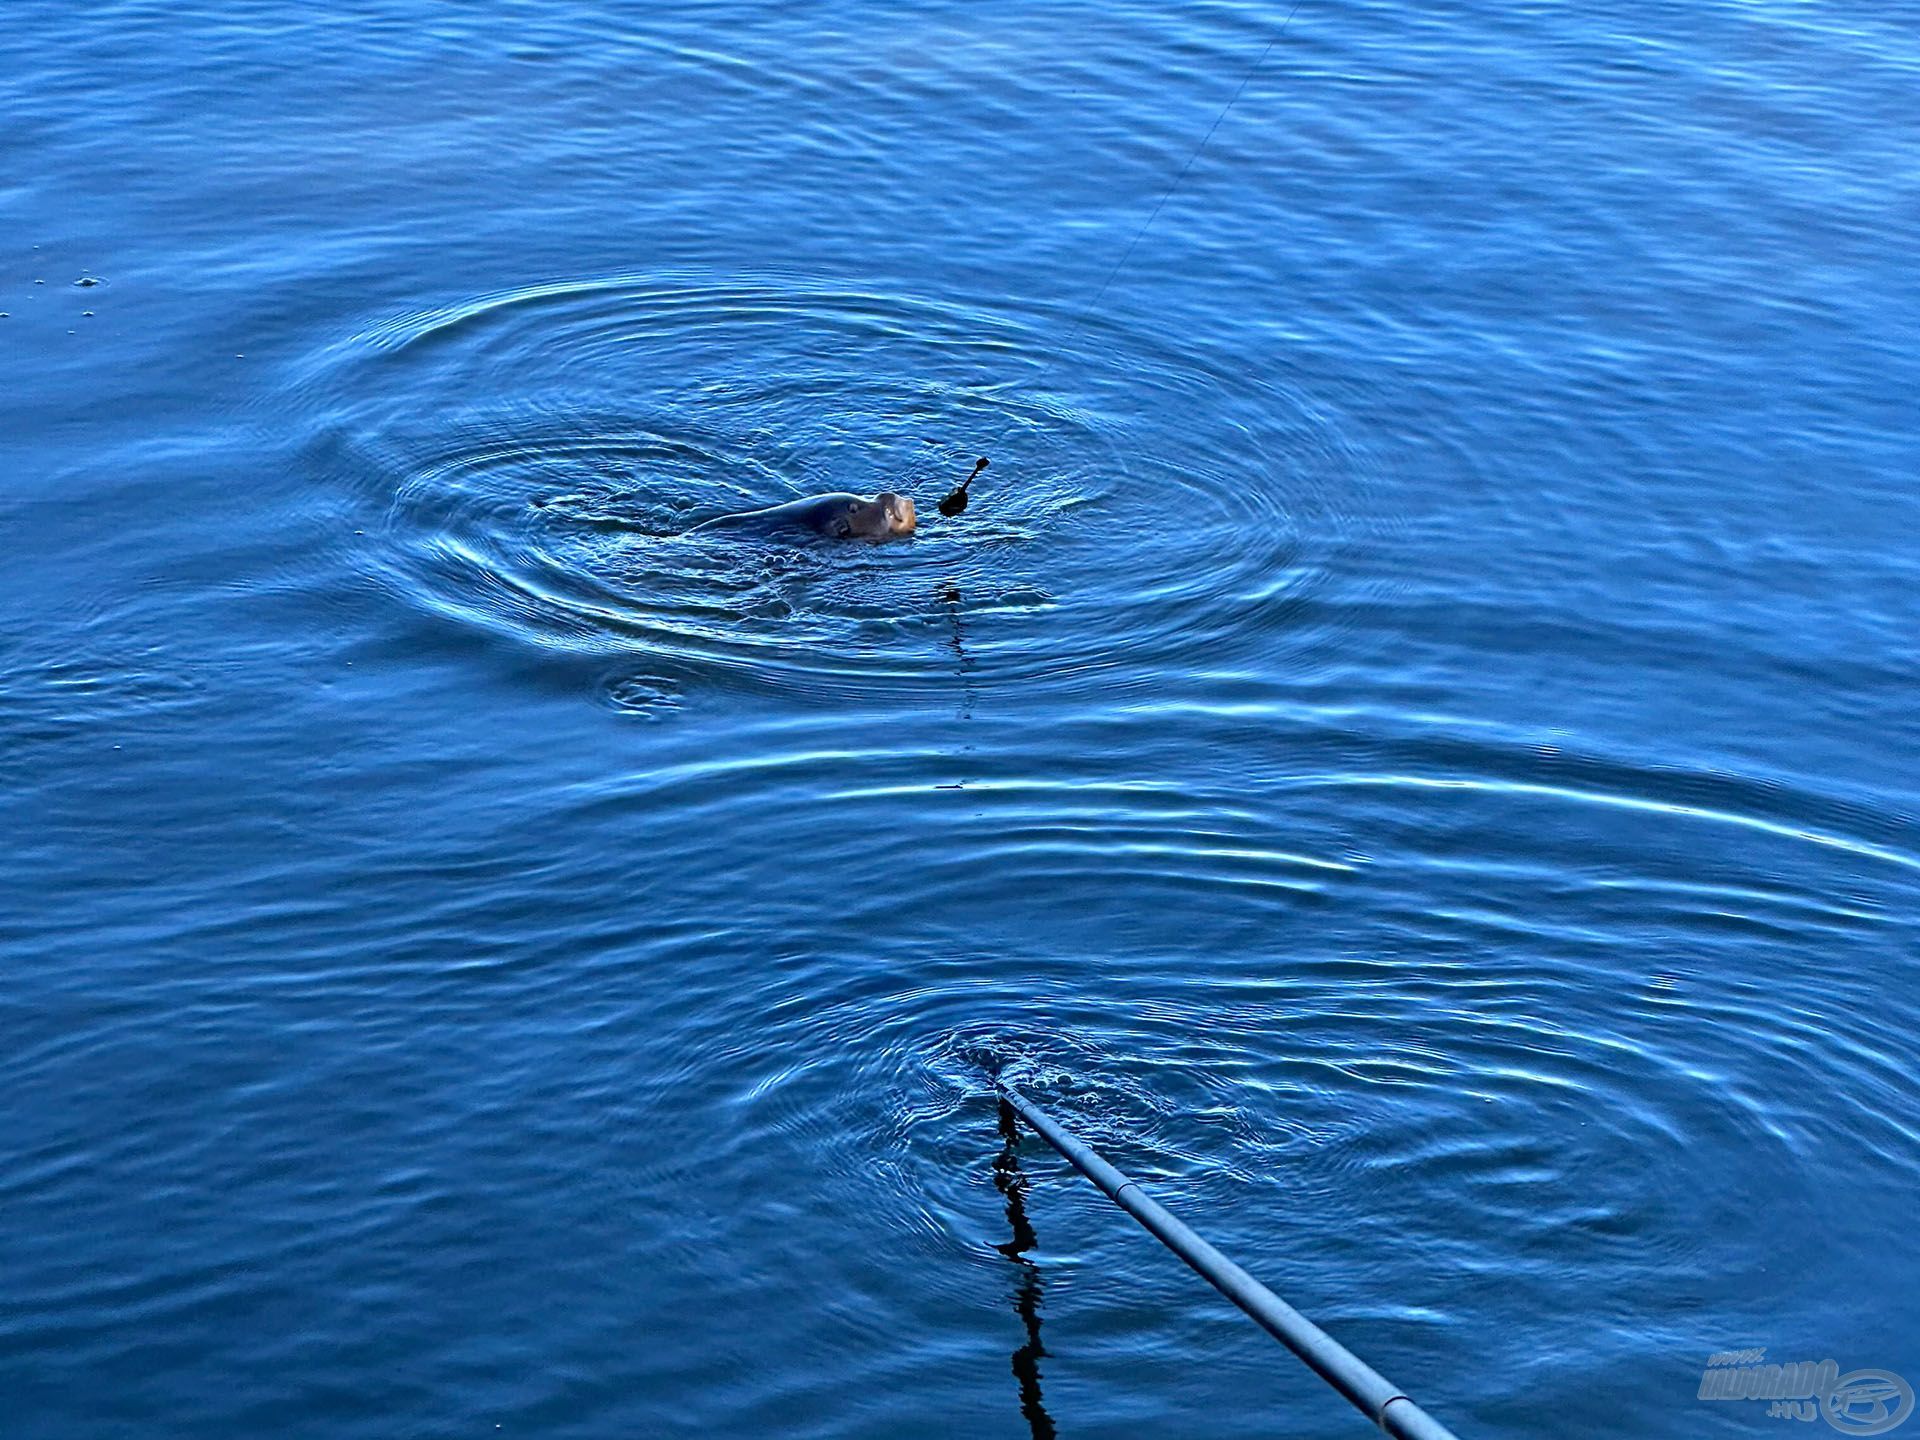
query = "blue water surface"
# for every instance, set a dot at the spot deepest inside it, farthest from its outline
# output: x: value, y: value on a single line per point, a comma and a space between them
x: 1411, y: 748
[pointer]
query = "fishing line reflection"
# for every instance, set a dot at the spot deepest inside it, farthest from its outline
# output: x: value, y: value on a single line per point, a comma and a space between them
x: 1012, y: 1183
x: 957, y: 642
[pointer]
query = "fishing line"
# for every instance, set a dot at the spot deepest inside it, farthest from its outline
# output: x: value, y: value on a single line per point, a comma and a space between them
x: 957, y: 499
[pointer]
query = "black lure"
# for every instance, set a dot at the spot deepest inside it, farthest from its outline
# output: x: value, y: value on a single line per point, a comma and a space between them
x: 957, y: 501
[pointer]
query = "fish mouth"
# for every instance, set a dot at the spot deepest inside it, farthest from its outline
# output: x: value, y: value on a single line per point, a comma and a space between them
x: 901, y: 517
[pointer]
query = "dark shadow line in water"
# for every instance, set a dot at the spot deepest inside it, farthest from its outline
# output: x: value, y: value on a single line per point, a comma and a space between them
x: 1012, y: 1183
x: 957, y: 641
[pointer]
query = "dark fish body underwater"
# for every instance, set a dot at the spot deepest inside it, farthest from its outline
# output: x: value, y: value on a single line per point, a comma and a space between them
x: 840, y: 515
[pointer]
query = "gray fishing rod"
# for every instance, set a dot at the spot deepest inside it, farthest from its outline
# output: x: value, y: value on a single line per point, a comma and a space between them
x: 1370, y: 1392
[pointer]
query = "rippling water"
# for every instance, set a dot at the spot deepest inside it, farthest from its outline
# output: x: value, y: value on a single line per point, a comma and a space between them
x: 1410, y: 748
